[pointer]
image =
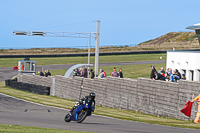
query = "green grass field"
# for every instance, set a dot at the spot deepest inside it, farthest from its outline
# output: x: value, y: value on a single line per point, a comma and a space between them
x: 99, y: 110
x: 6, y: 128
x: 11, y: 62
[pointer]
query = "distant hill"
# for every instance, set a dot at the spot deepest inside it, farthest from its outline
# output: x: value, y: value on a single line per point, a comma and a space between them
x: 177, y: 40
x: 173, y: 39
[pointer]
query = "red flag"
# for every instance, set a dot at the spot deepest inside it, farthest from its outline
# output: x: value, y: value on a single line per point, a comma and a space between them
x: 187, y: 109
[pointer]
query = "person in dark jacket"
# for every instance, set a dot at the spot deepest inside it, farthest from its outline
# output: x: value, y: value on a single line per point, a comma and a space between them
x: 41, y: 73
x: 152, y: 76
x: 120, y: 74
x: 77, y: 71
x: 90, y: 99
x: 85, y: 73
x: 178, y: 73
x: 47, y: 73
x: 92, y: 73
x: 159, y: 76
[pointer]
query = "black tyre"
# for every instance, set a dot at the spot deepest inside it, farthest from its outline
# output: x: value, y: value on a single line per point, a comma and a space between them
x: 81, y: 116
x: 67, y: 118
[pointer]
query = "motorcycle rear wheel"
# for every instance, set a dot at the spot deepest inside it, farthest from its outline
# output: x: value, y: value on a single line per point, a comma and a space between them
x: 81, y: 116
x: 67, y: 118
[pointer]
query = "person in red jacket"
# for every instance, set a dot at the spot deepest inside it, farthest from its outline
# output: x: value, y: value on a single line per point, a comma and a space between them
x: 198, y: 113
x: 104, y: 73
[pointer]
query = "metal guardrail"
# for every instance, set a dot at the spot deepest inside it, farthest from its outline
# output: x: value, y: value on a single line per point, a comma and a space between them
x: 92, y: 54
x: 82, y: 54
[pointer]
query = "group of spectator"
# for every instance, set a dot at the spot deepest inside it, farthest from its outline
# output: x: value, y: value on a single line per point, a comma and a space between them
x: 175, y: 76
x: 102, y: 73
x: 168, y: 76
x: 119, y: 74
x: 82, y: 73
x: 46, y: 73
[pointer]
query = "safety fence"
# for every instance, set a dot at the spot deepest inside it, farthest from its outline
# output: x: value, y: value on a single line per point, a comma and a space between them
x: 82, y: 54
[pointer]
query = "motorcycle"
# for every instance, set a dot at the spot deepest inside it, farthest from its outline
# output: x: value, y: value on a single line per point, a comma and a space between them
x: 81, y: 112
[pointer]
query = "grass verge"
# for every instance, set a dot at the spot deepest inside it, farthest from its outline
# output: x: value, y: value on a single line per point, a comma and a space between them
x: 100, y: 110
x: 6, y: 128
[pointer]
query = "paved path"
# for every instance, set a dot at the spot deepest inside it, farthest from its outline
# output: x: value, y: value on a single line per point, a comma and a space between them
x: 18, y: 112
x: 8, y: 72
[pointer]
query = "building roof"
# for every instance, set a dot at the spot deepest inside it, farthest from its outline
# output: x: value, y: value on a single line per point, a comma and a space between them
x: 194, y: 27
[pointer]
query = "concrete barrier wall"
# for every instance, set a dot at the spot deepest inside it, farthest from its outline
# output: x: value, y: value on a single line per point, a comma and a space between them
x: 143, y: 95
x: 186, y: 90
x: 158, y: 97
x: 38, y: 89
x: 37, y: 80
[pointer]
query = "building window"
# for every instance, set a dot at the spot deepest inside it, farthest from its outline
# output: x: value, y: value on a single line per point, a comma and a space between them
x: 198, y: 75
x: 183, y: 71
x: 191, y: 75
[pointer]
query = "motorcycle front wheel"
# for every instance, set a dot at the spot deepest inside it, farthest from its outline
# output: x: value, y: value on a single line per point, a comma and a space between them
x: 67, y: 118
x: 81, y: 116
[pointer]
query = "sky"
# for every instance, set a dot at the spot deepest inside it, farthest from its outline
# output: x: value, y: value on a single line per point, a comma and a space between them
x: 122, y: 22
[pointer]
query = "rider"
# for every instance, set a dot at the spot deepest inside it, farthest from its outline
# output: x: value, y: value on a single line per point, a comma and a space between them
x: 89, y: 98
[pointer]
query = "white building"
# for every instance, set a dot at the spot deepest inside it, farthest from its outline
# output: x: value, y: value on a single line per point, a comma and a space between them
x: 187, y: 62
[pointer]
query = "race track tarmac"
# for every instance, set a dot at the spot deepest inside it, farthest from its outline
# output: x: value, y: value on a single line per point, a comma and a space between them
x: 8, y: 72
x: 18, y: 112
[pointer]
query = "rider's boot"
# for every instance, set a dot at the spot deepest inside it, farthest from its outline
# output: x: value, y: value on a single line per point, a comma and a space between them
x: 70, y: 112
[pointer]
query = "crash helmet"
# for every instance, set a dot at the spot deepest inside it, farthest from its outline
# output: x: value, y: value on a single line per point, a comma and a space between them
x: 92, y: 96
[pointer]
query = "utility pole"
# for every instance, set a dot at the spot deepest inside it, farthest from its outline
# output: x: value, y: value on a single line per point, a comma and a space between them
x: 97, y: 49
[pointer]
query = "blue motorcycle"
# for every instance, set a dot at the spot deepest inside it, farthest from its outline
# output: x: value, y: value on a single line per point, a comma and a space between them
x: 81, y: 112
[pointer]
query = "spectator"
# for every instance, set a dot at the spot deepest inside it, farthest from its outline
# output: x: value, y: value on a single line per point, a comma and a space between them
x: 47, y: 73
x: 169, y: 72
x: 40, y: 73
x: 178, y: 73
x: 101, y: 74
x: 152, y: 76
x: 162, y: 71
x: 104, y: 73
x: 183, y: 77
x: 114, y: 73
x: 159, y: 76
x: 92, y: 73
x: 174, y: 77
x: 77, y: 71
x: 81, y: 72
x: 74, y: 73
x: 120, y: 74
x: 85, y: 73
